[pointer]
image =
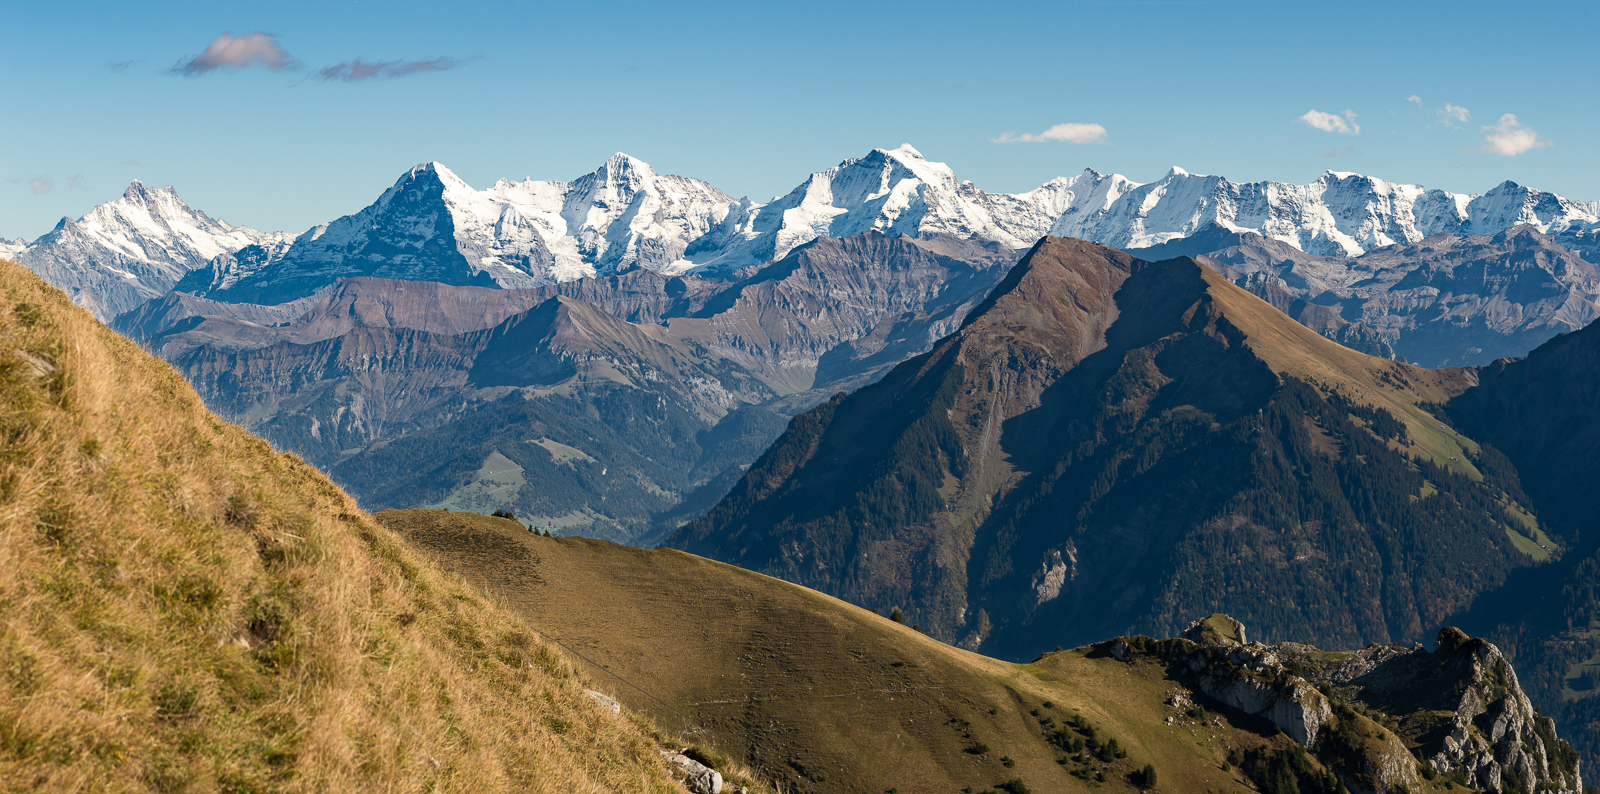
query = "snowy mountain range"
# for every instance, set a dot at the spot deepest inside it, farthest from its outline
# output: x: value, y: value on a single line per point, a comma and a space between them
x: 432, y: 226
x: 127, y: 251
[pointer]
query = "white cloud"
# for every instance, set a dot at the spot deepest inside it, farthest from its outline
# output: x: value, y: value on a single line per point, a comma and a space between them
x: 1344, y: 152
x: 1453, y: 114
x: 41, y: 184
x: 76, y: 181
x: 1510, y: 138
x: 1071, y: 132
x: 1414, y: 99
x: 1330, y: 122
x: 358, y: 70
x: 240, y: 52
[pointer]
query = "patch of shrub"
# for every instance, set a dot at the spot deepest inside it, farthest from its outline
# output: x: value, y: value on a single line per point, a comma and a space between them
x: 1146, y: 777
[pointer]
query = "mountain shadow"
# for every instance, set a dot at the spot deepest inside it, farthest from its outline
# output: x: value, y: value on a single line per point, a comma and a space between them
x: 1110, y: 445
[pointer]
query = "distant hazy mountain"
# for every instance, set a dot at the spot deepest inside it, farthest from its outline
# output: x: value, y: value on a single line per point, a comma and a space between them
x: 1340, y: 214
x: 432, y: 226
x: 406, y: 390
x: 1447, y: 300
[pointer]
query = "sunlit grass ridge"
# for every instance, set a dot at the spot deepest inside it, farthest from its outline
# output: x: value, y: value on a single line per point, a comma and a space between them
x: 182, y: 608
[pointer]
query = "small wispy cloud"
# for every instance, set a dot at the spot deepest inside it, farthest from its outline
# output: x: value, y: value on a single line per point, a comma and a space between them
x: 76, y: 181
x: 358, y: 70
x: 132, y: 163
x: 119, y: 66
x: 41, y: 184
x: 1344, y: 124
x: 1510, y: 138
x: 1071, y: 132
x: 1451, y: 115
x: 1415, y: 100
x: 240, y: 52
x: 1344, y: 152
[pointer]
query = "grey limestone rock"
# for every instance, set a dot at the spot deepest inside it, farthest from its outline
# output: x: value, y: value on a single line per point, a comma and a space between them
x: 698, y: 777
x: 1459, y: 708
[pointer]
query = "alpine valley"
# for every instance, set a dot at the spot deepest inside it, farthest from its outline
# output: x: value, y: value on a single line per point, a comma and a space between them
x: 423, y: 327
x: 1351, y: 414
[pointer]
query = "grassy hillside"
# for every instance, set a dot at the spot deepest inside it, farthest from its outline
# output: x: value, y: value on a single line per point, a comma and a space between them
x: 182, y: 609
x: 823, y: 696
x: 820, y: 694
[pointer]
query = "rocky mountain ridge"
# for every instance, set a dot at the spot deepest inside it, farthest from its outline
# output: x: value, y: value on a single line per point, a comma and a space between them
x: 340, y: 375
x: 1104, y: 424
x: 432, y: 226
x: 1384, y: 717
x: 1447, y: 300
x: 135, y: 248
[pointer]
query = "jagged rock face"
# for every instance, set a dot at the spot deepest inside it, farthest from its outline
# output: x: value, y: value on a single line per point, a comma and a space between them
x: 1460, y: 707
x: 1340, y: 214
x: 1251, y: 682
x: 1447, y: 300
x: 838, y: 311
x: 432, y: 226
x: 1462, y: 702
x: 130, y: 250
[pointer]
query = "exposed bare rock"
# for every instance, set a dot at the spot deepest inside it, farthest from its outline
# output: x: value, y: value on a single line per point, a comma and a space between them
x: 698, y: 777
x: 1250, y: 678
x: 1460, y: 707
x: 605, y: 701
x: 1382, y: 717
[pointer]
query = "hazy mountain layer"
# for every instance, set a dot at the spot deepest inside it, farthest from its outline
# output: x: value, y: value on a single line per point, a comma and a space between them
x: 1446, y: 300
x: 373, y: 375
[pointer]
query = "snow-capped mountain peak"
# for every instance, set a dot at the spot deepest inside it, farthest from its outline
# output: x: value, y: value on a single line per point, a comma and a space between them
x: 131, y: 249
x: 432, y: 225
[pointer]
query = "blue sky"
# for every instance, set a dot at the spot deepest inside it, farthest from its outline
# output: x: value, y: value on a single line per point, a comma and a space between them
x: 753, y: 96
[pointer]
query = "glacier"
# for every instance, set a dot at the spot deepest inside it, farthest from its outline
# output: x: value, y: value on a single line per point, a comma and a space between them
x: 431, y: 225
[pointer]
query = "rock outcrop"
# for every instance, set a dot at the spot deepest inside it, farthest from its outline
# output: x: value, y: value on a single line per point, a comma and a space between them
x: 1250, y: 678
x: 697, y: 777
x: 1461, y: 704
x: 1382, y: 716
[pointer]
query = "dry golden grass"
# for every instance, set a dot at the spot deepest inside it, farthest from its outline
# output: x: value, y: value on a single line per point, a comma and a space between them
x: 812, y: 693
x: 1293, y: 349
x: 182, y: 609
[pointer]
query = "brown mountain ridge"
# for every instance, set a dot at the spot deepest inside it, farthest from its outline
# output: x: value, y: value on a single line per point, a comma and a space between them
x: 1111, y: 445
